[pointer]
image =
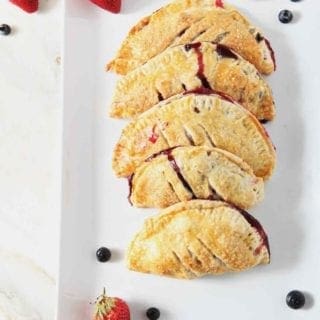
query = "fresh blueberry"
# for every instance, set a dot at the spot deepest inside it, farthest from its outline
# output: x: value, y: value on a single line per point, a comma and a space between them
x: 153, y: 313
x: 5, y: 29
x: 295, y: 0
x: 103, y: 254
x: 285, y: 16
x: 295, y: 299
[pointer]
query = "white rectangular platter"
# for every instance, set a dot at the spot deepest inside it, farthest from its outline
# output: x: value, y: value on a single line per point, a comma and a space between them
x: 95, y: 210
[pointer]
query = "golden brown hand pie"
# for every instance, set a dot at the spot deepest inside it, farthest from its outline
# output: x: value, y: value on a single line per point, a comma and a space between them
x: 195, y: 119
x: 186, y: 21
x: 196, y: 238
x: 187, y: 67
x: 186, y: 173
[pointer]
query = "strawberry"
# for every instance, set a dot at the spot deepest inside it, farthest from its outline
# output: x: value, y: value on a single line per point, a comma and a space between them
x: 29, y: 6
x: 109, y: 308
x: 110, y: 5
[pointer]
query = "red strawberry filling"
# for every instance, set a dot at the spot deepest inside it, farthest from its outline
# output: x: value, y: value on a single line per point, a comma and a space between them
x: 219, y: 3
x: 154, y: 136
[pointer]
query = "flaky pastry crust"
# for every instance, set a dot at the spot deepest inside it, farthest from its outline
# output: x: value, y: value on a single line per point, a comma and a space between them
x: 196, y: 238
x: 186, y: 173
x: 188, y: 67
x: 185, y: 21
x: 195, y: 119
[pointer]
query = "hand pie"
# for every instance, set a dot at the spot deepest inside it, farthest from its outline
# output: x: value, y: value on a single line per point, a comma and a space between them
x: 193, y: 21
x: 188, y: 67
x: 196, y: 238
x: 195, y: 119
x: 186, y: 173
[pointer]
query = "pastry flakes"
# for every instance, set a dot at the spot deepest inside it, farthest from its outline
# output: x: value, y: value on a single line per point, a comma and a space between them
x: 196, y: 238
x: 186, y: 68
x: 195, y: 119
x: 186, y: 21
x: 185, y: 173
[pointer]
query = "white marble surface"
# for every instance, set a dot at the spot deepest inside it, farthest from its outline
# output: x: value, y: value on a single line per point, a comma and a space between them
x: 30, y: 153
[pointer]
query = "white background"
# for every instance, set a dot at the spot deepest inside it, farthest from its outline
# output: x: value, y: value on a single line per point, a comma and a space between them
x: 30, y: 153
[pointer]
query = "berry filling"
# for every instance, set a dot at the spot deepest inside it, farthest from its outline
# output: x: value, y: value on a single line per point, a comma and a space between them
x: 273, y: 57
x: 225, y: 52
x: 256, y: 225
x: 259, y: 37
x: 221, y: 50
x: 219, y: 3
x: 154, y: 136
x: 200, y: 74
x: 175, y: 167
x: 202, y: 90
x: 160, y: 153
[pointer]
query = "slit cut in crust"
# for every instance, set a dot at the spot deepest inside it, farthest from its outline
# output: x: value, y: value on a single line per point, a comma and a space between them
x: 230, y: 126
x: 188, y: 21
x: 212, y: 66
x: 222, y: 237
x: 201, y: 172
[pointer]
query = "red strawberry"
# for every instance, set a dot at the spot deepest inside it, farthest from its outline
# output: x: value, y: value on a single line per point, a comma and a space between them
x: 110, y: 5
x: 108, y: 308
x: 29, y: 6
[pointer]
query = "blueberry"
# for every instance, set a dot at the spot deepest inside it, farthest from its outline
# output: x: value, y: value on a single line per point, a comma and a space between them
x: 295, y: 299
x: 5, y: 29
x: 285, y: 16
x: 153, y: 313
x: 295, y: 0
x: 103, y: 254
